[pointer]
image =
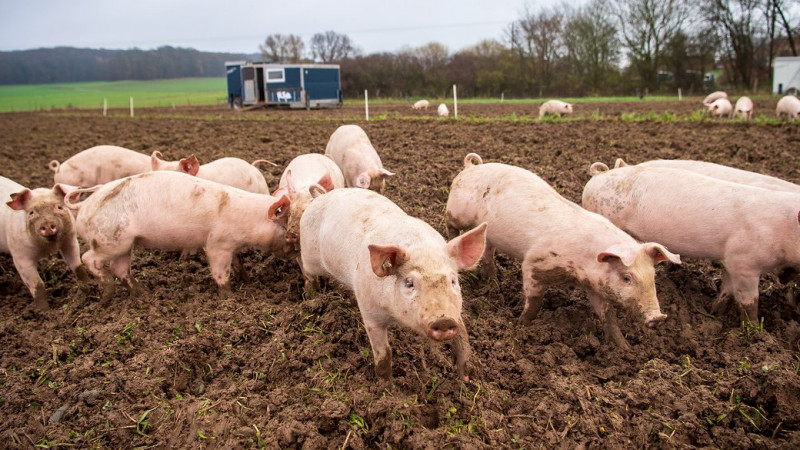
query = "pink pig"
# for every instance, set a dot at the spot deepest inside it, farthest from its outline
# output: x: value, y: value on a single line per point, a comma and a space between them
x: 556, y: 108
x: 305, y: 176
x: 99, y: 165
x: 34, y: 225
x: 558, y: 242
x: 228, y: 171
x: 400, y: 269
x: 712, y: 97
x: 743, y: 108
x: 749, y: 229
x: 350, y: 148
x: 175, y: 211
x: 720, y: 107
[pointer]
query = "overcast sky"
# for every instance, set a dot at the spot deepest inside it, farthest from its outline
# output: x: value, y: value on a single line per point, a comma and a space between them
x: 241, y: 25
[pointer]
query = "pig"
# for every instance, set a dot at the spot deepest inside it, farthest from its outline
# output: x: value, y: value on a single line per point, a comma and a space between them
x: 400, y: 269
x: 34, y: 225
x: 421, y: 104
x: 305, y: 176
x: 557, y: 241
x: 788, y: 106
x: 720, y: 108
x: 350, y: 148
x: 743, y: 108
x: 228, y: 171
x: 750, y: 230
x: 99, y: 165
x: 174, y: 211
x: 442, y: 110
x: 714, y: 171
x: 556, y: 108
x: 714, y: 96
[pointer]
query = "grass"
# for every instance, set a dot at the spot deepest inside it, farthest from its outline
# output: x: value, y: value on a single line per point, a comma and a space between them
x: 164, y: 93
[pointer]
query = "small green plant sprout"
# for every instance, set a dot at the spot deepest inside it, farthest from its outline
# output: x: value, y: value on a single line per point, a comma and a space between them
x: 259, y: 440
x: 143, y: 426
x: 127, y: 333
x: 744, y: 366
x: 359, y: 423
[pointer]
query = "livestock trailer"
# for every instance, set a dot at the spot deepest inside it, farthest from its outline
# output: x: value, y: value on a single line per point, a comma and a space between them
x: 292, y: 85
x: 786, y: 75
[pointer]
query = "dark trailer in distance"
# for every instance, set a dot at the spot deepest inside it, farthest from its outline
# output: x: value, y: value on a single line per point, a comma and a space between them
x: 293, y: 85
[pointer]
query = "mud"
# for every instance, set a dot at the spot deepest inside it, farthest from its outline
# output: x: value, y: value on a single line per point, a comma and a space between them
x: 178, y: 367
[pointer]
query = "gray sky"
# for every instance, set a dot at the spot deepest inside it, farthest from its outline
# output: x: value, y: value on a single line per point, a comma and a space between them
x: 241, y: 25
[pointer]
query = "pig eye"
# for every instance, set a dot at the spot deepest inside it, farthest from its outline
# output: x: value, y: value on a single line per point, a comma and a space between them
x: 409, y: 283
x: 60, y: 207
x: 627, y: 279
x: 30, y: 213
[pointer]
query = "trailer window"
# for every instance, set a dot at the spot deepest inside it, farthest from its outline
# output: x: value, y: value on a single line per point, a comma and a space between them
x: 275, y: 76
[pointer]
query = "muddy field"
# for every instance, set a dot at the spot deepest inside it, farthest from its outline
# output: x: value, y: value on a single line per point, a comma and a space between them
x: 181, y: 368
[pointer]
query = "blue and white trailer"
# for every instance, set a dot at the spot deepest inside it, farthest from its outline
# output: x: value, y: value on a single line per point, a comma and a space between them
x: 291, y: 85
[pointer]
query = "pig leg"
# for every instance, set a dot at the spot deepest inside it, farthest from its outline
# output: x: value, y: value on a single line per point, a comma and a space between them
x: 488, y: 264
x: 219, y: 260
x: 378, y: 335
x: 461, y: 350
x: 452, y: 231
x: 723, y: 301
x: 26, y: 268
x: 311, y: 285
x: 533, y: 292
x: 745, y: 288
x: 71, y: 254
x: 238, y: 269
x: 121, y: 267
x: 95, y: 264
x: 608, y: 318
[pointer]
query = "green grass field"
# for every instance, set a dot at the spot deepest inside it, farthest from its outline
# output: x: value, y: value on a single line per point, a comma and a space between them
x: 183, y: 91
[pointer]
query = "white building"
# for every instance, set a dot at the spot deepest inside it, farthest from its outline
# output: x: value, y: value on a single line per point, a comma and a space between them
x: 786, y: 75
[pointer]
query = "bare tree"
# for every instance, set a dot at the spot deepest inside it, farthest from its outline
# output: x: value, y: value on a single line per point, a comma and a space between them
x: 592, y: 44
x: 536, y: 39
x: 647, y: 26
x: 331, y: 47
x: 739, y: 25
x: 281, y: 48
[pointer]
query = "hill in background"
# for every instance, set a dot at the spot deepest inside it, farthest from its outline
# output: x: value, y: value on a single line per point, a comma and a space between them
x: 69, y: 64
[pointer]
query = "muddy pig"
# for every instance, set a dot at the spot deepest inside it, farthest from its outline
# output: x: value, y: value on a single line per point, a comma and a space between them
x: 557, y: 241
x: 788, y: 106
x: 34, y: 225
x: 175, y: 211
x: 749, y: 229
x: 99, y: 165
x: 713, y: 170
x: 720, y: 107
x: 305, y: 177
x: 350, y: 148
x: 400, y: 269
x: 743, y: 108
x: 556, y: 108
x: 228, y: 171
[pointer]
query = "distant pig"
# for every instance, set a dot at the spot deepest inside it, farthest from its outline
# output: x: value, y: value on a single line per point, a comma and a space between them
x: 788, y: 106
x: 350, y: 148
x: 720, y: 107
x: 713, y: 170
x: 750, y: 230
x: 400, y: 269
x: 421, y: 104
x: 174, y: 211
x: 714, y: 96
x: 228, y: 171
x: 442, y: 110
x: 556, y: 108
x: 34, y: 225
x: 557, y: 241
x: 304, y: 176
x: 99, y: 165
x: 743, y: 108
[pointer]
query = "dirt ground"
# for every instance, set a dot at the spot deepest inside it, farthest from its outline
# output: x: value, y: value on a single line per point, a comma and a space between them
x: 180, y: 368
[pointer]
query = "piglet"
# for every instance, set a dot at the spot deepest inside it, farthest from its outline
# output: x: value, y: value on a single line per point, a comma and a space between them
x: 743, y: 108
x: 350, y: 148
x: 788, y: 106
x: 175, y: 211
x: 99, y: 165
x: 557, y: 241
x: 421, y: 104
x: 34, y: 225
x: 400, y: 269
x: 555, y: 108
x: 228, y: 171
x: 442, y: 110
x: 720, y: 108
x: 750, y: 230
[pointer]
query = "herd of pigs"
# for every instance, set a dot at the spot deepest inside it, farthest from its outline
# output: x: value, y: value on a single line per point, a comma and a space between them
x: 328, y: 211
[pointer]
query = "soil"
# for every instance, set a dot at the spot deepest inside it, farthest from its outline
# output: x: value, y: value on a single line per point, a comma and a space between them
x: 178, y: 367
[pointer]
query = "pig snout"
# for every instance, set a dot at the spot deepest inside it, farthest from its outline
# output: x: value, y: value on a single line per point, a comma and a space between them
x: 656, y: 319
x: 291, y: 237
x: 443, y: 329
x: 48, y: 229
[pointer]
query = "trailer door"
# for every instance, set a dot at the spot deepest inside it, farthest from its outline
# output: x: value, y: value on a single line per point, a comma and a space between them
x: 249, y: 91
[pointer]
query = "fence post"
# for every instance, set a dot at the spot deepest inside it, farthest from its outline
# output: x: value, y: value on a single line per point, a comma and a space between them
x: 105, y: 106
x: 455, y: 103
x: 680, y: 97
x: 366, y: 104
x: 131, y: 106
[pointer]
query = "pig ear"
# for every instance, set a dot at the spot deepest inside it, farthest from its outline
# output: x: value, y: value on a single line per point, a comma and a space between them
x: 363, y: 180
x: 62, y: 189
x: 280, y: 192
x: 468, y: 248
x: 660, y: 253
x: 155, y: 160
x: 19, y: 200
x: 385, y: 173
x: 289, y: 182
x: 279, y: 208
x: 326, y: 183
x: 624, y: 253
x: 316, y: 190
x: 385, y: 259
x: 189, y: 165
